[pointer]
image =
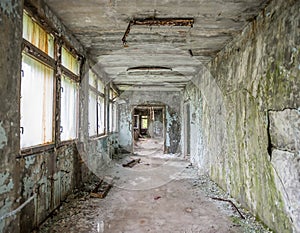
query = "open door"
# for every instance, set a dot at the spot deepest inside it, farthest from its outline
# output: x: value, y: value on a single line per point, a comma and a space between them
x: 148, y: 126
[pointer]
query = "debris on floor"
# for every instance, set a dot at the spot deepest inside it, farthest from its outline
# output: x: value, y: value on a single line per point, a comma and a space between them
x: 229, y: 201
x: 132, y: 163
x: 101, y: 190
x: 181, y: 202
x: 188, y: 210
x: 157, y: 197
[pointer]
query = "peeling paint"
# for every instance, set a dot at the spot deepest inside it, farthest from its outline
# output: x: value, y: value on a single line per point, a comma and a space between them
x: 29, y: 161
x: 3, y: 138
x: 3, y: 210
x: 6, y: 184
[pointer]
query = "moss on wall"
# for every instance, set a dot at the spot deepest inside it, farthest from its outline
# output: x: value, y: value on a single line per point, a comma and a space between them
x: 257, y: 72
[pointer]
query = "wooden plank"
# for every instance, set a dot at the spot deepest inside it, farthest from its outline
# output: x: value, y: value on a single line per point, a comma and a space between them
x: 101, y: 190
x: 132, y: 163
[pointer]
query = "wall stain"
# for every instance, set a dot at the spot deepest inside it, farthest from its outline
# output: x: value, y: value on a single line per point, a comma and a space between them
x: 3, y: 138
x: 9, y: 7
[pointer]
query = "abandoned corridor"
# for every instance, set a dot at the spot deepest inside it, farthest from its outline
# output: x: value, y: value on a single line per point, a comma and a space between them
x: 191, y: 96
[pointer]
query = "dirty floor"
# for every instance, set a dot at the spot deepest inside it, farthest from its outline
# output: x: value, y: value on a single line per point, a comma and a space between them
x: 161, y: 193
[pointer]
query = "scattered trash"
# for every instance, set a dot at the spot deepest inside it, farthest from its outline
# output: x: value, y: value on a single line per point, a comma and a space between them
x: 188, y: 210
x: 157, y: 197
x: 132, y: 163
x: 101, y: 190
x: 190, y: 165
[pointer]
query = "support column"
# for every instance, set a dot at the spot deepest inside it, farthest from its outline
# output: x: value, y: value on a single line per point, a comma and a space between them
x: 10, y: 72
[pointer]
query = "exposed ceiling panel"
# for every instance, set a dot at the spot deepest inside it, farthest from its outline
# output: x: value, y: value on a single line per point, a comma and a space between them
x: 100, y: 25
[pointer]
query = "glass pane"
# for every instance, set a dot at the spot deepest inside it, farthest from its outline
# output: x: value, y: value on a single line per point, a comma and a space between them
x: 37, y: 36
x: 115, y: 117
x: 69, y: 106
x: 144, y: 122
x: 100, y: 86
x: 111, y: 94
x: 101, y: 116
x: 69, y: 61
x: 92, y: 113
x: 36, y: 102
x: 111, y: 117
x: 92, y: 79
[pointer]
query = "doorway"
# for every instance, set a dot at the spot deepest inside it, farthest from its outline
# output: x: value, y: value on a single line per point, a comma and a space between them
x: 187, y: 130
x: 149, y: 129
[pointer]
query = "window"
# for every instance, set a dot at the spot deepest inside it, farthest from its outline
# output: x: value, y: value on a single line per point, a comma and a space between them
x: 112, y: 111
x: 69, y: 109
x: 37, y: 85
x: 96, y: 105
x: 144, y: 122
x: 39, y: 90
x: 69, y: 96
x: 36, y: 102
x: 37, y: 36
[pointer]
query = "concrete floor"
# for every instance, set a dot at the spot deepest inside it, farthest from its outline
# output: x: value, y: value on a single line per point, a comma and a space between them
x: 165, y: 195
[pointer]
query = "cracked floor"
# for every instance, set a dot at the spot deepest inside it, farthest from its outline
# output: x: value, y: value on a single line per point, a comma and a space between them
x: 179, y: 203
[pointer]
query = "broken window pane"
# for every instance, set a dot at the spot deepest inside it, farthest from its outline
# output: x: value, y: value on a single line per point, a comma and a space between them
x: 36, y: 102
x: 37, y: 36
x: 69, y: 108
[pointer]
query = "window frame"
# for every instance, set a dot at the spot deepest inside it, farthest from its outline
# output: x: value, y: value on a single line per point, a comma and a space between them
x: 40, y: 56
x: 112, y: 118
x: 67, y: 73
x: 99, y: 94
x: 54, y: 62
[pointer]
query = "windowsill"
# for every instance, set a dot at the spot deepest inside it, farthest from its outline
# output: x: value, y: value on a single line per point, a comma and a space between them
x: 97, y: 137
x: 35, y: 150
x: 67, y: 142
x: 110, y: 133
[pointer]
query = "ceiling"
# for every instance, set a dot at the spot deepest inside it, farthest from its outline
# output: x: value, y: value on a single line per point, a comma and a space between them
x: 154, y: 57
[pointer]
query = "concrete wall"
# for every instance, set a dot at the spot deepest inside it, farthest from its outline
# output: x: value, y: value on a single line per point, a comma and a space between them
x: 250, y: 119
x: 10, y: 66
x: 172, y: 100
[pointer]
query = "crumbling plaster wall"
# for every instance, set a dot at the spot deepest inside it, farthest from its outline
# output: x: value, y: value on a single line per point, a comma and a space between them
x: 46, y: 177
x: 257, y: 75
x: 10, y: 66
x: 173, y: 102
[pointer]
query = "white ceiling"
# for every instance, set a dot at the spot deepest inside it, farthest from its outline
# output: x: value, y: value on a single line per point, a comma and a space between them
x: 100, y: 25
